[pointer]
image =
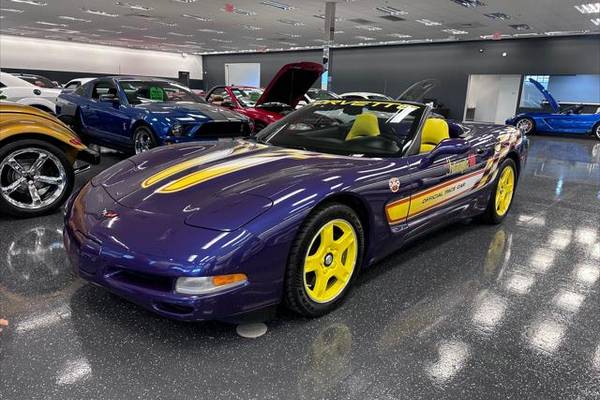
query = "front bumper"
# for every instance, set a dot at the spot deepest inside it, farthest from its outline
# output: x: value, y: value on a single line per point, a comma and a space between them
x: 154, y: 292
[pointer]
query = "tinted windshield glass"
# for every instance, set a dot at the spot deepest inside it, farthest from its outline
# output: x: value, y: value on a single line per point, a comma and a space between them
x: 157, y: 91
x: 247, y: 96
x: 39, y: 81
x: 318, y: 94
x: 361, y: 127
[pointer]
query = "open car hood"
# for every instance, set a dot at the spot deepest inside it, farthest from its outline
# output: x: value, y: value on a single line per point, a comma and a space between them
x: 549, y: 98
x: 291, y: 83
x: 418, y: 91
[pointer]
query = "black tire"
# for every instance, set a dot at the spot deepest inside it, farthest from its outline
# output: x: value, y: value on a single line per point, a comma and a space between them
x: 531, y: 124
x: 143, y: 131
x: 491, y: 216
x: 596, y: 131
x: 295, y: 296
x: 10, y: 209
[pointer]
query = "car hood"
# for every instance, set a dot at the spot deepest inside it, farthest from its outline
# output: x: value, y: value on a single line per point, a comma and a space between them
x: 549, y: 98
x: 291, y: 83
x: 220, y: 185
x: 190, y: 110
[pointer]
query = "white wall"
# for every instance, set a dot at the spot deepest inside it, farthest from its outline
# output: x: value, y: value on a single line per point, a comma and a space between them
x: 52, y: 55
x: 494, y: 97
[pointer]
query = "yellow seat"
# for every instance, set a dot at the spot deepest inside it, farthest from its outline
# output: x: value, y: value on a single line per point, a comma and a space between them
x: 364, y: 125
x: 434, y: 131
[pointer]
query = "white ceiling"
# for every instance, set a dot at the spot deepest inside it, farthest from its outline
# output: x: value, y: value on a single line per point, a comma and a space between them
x: 207, y: 26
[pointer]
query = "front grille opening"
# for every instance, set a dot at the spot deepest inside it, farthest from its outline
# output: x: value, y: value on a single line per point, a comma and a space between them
x: 140, y: 279
x: 174, y: 308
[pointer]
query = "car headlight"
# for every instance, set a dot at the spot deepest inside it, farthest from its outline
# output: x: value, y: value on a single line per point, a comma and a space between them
x: 177, y: 130
x: 209, y: 284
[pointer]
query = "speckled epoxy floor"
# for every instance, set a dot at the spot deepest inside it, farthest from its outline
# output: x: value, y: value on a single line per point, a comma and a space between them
x: 474, y: 311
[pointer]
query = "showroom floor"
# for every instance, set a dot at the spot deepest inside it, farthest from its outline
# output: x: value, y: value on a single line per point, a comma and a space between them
x: 475, y: 311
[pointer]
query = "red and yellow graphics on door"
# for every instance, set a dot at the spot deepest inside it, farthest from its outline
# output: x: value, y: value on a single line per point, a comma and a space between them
x: 413, y: 206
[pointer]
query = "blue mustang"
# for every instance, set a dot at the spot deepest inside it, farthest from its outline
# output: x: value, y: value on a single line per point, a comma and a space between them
x: 135, y: 114
x: 570, y: 120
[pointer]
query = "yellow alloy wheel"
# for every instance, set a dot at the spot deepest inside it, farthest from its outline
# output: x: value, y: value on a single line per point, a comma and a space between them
x: 330, y: 261
x: 505, y: 190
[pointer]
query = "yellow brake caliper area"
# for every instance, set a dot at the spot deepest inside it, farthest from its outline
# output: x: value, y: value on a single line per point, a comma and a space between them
x: 505, y: 190
x: 330, y: 261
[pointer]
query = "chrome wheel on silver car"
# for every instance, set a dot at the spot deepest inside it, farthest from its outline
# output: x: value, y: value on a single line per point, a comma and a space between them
x: 143, y: 140
x: 33, y: 179
x: 525, y: 125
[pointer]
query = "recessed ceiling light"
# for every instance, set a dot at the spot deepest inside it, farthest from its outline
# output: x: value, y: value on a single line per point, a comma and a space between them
x: 184, y: 1
x: 108, y: 31
x: 365, y: 38
x: 31, y: 2
x: 589, y: 8
x: 134, y: 28
x: 595, y: 21
x: 164, y: 23
x: 521, y: 27
x: 276, y: 4
x: 455, y: 31
x: 291, y: 22
x: 12, y: 10
x: 498, y: 16
x: 371, y: 28
x: 222, y: 40
x: 75, y: 19
x: 525, y: 34
x: 197, y: 17
x: 98, y: 12
x: 155, y: 37
x: 252, y: 27
x: 399, y: 35
x: 469, y: 3
x: 210, y: 31
x: 50, y: 24
x: 61, y: 30
x: 290, y: 35
x: 391, y: 10
x: 133, y: 6
x: 179, y: 34
x: 428, y: 22
x: 494, y: 36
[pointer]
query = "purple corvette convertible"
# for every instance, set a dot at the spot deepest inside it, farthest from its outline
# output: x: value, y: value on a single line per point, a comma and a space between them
x: 216, y: 230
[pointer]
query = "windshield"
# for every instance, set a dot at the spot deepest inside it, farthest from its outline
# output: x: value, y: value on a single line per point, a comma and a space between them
x: 139, y: 92
x: 350, y: 127
x: 247, y: 96
x: 39, y: 81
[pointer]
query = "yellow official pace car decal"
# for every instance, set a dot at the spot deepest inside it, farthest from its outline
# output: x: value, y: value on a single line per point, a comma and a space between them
x: 415, y: 205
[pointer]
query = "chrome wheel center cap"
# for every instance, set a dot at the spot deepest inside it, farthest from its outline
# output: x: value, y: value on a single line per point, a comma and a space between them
x: 328, y: 260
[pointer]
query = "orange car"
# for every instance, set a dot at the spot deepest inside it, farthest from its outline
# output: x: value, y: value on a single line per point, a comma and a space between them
x: 37, y: 153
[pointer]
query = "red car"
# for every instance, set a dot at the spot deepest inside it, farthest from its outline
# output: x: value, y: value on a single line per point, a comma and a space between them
x: 264, y: 106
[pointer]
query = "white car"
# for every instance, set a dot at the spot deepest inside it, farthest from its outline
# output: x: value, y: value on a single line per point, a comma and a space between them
x: 17, y: 90
x: 364, y: 96
x: 73, y: 84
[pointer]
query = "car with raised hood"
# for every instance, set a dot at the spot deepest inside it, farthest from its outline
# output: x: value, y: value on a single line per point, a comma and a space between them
x: 280, y: 97
x: 37, y: 154
x: 135, y: 114
x: 570, y: 120
x: 16, y: 90
x: 289, y: 216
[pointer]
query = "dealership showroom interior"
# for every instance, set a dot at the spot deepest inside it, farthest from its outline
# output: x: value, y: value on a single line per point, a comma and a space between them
x: 285, y: 199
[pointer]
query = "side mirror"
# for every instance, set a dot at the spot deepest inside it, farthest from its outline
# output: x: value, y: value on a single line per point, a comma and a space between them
x: 446, y: 147
x: 109, y: 98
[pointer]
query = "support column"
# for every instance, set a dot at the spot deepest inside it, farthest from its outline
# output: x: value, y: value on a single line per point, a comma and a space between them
x: 326, y: 78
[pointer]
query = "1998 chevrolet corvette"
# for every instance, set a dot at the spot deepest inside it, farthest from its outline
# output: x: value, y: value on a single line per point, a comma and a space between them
x: 215, y: 230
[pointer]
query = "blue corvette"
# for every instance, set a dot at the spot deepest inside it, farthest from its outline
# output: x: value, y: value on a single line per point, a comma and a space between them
x: 570, y: 120
x: 135, y: 114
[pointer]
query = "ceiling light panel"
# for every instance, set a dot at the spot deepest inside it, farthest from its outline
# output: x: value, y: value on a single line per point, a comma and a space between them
x: 133, y: 6
x: 589, y: 8
x: 276, y: 4
x: 521, y: 27
x: 74, y: 19
x: 197, y: 17
x: 469, y: 3
x: 370, y: 28
x: 291, y: 22
x: 455, y: 32
x: 98, y: 12
x: 498, y: 16
x: 595, y: 21
x: 31, y: 2
x: 428, y: 22
x: 12, y: 10
x: 391, y: 10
